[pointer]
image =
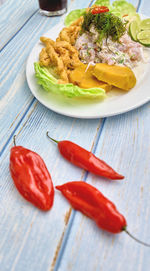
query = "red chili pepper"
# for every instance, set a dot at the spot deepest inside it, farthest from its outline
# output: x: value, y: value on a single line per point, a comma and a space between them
x: 85, y: 159
x: 91, y: 202
x: 31, y: 177
x: 101, y: 9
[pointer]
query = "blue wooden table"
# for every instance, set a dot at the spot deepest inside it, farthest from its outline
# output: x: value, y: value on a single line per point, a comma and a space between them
x: 63, y: 239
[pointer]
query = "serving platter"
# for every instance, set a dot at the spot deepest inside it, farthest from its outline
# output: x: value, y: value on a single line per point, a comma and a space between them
x: 117, y: 102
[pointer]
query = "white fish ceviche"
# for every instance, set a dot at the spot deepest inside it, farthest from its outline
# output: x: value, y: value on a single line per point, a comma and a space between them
x: 104, y: 39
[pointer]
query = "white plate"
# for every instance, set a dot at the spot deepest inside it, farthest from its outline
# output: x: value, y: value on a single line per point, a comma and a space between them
x: 116, y: 102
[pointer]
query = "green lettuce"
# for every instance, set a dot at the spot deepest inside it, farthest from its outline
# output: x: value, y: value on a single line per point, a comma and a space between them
x: 123, y: 5
x: 105, y: 3
x: 118, y: 8
x: 73, y: 16
x: 50, y: 83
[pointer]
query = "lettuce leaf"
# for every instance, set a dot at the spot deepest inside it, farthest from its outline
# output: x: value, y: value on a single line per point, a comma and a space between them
x: 123, y: 5
x: 50, y: 83
x: 105, y: 3
x: 73, y: 16
x: 118, y: 8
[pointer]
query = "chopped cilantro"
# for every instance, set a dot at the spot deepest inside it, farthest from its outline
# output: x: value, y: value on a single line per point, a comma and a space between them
x: 121, y: 61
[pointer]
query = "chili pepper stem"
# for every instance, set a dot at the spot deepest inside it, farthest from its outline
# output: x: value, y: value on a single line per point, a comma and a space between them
x: 14, y: 140
x: 137, y: 240
x: 56, y: 141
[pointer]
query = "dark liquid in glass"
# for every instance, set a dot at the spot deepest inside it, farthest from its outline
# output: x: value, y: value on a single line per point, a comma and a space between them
x: 53, y: 5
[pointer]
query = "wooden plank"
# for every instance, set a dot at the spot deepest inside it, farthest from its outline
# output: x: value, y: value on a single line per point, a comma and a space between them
x: 25, y: 231
x: 16, y: 14
x: 124, y: 143
x: 14, y: 88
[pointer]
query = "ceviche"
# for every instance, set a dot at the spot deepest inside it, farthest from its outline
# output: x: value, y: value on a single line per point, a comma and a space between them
x: 96, y: 51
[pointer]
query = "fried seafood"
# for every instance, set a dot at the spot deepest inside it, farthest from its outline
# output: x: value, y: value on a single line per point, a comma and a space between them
x: 44, y: 58
x: 60, y: 55
x: 70, y: 33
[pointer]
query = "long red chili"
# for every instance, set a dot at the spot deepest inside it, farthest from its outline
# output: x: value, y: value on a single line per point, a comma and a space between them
x: 87, y: 199
x: 31, y: 177
x: 91, y: 202
x: 85, y: 159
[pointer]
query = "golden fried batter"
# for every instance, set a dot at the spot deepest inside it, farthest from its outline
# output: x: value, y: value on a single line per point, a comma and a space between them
x: 70, y: 33
x: 44, y: 58
x: 61, y: 54
x: 57, y: 61
x: 64, y: 35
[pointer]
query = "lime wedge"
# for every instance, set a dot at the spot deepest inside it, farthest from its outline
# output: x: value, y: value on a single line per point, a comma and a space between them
x: 145, y: 24
x: 133, y: 30
x: 144, y: 37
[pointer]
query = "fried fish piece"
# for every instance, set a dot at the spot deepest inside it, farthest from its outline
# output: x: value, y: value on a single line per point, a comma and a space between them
x: 69, y: 34
x: 64, y: 35
x: 74, y: 35
x: 57, y: 61
x: 64, y: 54
x: 61, y: 54
x: 73, y: 53
x: 44, y: 58
x: 47, y: 41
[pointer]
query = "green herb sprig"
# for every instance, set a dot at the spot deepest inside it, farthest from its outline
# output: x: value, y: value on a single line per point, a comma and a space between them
x: 107, y: 24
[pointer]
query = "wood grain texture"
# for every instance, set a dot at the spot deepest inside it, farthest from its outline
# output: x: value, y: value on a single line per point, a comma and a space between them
x: 63, y: 239
x: 28, y: 227
x: 15, y: 14
x: 29, y: 231
x: 124, y: 144
x: 14, y: 88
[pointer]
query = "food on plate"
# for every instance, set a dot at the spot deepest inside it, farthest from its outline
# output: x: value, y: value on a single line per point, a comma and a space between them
x: 119, y: 8
x: 145, y: 24
x: 144, y: 37
x: 74, y: 15
x: 121, y: 77
x: 94, y: 53
x: 140, y: 31
x: 104, y: 38
x: 85, y: 79
x: 70, y: 33
x: 133, y: 30
x: 49, y: 82
x: 61, y: 56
